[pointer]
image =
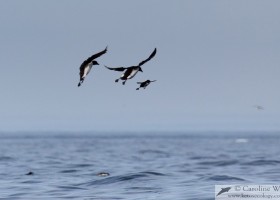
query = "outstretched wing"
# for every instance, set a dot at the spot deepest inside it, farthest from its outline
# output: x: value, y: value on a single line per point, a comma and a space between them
x: 150, y: 57
x: 91, y: 58
x: 119, y: 69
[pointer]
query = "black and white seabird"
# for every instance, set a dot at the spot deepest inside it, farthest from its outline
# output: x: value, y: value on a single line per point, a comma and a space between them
x: 144, y: 84
x: 130, y: 72
x: 87, y: 65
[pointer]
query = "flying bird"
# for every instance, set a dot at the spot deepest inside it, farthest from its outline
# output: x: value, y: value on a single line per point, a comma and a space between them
x: 130, y: 72
x: 87, y: 65
x: 144, y: 84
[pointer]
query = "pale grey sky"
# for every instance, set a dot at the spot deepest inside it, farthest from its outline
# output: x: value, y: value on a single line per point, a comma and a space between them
x: 215, y: 61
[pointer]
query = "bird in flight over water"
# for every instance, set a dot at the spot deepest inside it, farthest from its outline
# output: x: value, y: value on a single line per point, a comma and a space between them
x: 87, y: 65
x: 130, y: 72
x: 144, y: 84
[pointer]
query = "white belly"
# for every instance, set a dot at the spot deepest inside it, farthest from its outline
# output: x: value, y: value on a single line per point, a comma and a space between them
x: 133, y: 73
x: 87, y: 70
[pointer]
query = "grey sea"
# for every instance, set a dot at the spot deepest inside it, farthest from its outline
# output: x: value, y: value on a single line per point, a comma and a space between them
x: 159, y: 166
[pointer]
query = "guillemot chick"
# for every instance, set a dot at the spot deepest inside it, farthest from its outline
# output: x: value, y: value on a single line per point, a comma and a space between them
x: 144, y: 84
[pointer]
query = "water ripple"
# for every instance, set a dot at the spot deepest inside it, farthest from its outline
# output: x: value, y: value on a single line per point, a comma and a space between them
x: 219, y: 163
x: 69, y: 171
x: 262, y: 162
x: 123, y: 178
x: 224, y: 178
x: 6, y: 158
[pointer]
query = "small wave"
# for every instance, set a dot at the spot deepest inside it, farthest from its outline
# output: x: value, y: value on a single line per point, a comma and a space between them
x: 144, y: 190
x: 18, y: 194
x: 5, y: 158
x: 70, y: 188
x: 31, y: 182
x: 114, y: 179
x: 153, y: 173
x: 123, y: 178
x: 80, y: 165
x: 219, y: 163
x: 201, y: 157
x: 224, y: 178
x: 262, y: 162
x: 68, y: 171
x: 155, y: 152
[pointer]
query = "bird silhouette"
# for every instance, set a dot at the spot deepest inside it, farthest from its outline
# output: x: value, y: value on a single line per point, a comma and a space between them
x: 87, y: 65
x: 144, y: 84
x: 130, y: 72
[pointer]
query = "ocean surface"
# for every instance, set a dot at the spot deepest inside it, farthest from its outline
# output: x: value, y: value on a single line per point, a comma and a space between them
x: 141, y: 166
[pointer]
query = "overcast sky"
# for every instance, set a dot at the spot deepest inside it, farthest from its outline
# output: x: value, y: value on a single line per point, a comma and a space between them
x: 215, y: 61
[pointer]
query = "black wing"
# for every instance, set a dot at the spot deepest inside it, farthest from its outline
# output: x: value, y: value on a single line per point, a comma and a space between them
x: 150, y: 57
x: 119, y: 69
x: 91, y: 58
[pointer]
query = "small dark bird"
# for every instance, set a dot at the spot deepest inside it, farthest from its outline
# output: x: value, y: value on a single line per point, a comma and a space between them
x: 223, y: 190
x: 29, y: 173
x: 130, y: 72
x: 87, y: 65
x: 144, y: 84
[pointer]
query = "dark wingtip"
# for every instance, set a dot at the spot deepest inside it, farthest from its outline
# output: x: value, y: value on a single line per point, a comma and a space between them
x: 154, y: 52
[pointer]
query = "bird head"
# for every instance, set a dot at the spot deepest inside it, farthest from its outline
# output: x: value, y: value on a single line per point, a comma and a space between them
x: 95, y: 63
